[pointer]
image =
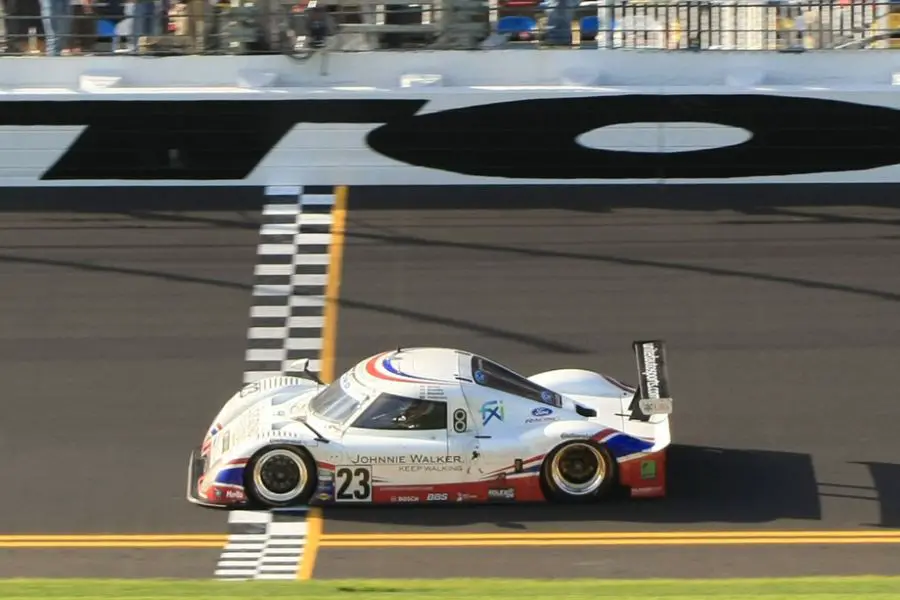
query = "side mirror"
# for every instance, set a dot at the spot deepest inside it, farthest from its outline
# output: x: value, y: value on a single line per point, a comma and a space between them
x: 302, y: 366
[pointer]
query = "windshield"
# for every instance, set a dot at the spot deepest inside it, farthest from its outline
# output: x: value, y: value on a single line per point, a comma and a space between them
x: 334, y: 404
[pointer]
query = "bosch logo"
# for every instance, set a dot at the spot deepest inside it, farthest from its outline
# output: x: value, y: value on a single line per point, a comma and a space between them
x: 541, y: 412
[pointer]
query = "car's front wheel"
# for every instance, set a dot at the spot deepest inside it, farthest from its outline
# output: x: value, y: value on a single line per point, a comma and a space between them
x: 279, y: 476
x: 578, y: 471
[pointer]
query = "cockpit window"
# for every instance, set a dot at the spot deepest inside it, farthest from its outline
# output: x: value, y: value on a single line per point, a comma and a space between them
x: 388, y: 411
x: 492, y: 375
x: 334, y: 404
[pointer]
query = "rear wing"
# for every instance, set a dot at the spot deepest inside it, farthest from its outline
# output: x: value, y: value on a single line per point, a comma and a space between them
x: 652, y: 395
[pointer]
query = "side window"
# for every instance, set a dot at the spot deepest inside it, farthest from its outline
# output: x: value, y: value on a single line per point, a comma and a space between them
x: 389, y: 412
x: 494, y: 376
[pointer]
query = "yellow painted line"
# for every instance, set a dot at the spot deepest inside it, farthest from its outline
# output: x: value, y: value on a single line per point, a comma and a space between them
x: 307, y: 563
x: 611, y: 535
x: 116, y: 537
x: 510, y: 543
x: 333, y: 284
x: 313, y: 536
x: 316, y: 539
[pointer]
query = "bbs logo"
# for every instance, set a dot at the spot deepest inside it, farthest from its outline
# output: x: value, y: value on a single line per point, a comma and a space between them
x: 436, y: 498
x: 460, y: 421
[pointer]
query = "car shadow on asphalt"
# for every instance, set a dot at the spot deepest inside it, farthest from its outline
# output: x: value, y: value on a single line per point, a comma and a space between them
x: 885, y: 486
x: 706, y: 485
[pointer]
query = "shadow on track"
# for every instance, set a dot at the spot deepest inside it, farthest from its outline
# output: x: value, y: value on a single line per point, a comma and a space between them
x: 886, y: 487
x: 705, y: 485
x: 752, y: 198
x: 626, y: 261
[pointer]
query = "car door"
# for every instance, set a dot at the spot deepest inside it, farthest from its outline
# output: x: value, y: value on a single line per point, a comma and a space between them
x: 395, y: 442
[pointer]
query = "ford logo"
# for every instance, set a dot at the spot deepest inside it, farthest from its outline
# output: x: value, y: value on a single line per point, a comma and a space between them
x: 541, y: 412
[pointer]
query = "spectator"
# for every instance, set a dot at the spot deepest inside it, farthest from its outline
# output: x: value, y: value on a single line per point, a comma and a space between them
x: 19, y: 17
x: 57, y: 17
x: 144, y: 22
x: 84, y: 26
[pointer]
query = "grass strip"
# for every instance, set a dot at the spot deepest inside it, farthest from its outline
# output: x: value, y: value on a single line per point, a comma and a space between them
x: 819, y: 588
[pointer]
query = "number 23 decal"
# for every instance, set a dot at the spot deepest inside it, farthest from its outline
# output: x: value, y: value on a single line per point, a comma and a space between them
x: 354, y: 484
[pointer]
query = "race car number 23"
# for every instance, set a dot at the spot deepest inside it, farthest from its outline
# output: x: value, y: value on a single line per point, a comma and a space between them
x: 353, y: 484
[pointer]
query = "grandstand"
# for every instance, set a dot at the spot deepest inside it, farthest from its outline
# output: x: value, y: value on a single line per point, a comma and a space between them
x: 267, y: 26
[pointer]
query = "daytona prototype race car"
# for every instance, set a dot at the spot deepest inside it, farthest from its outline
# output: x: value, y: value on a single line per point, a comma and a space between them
x: 436, y: 425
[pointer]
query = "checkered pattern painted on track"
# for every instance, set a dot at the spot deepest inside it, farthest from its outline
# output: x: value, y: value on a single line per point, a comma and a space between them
x: 286, y: 321
x: 291, y: 273
x: 263, y: 545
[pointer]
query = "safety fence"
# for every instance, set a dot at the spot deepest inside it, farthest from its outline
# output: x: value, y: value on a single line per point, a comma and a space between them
x: 299, y: 26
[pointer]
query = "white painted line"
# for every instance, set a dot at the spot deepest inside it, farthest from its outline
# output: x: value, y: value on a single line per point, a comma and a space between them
x: 282, y: 209
x: 267, y: 333
x: 297, y: 529
x: 249, y: 516
x: 287, y: 269
x: 278, y: 229
x: 257, y: 547
x: 282, y: 190
x: 238, y: 556
x: 265, y: 354
x: 313, y: 239
x: 304, y: 344
x: 270, y: 312
x: 307, y: 301
x: 311, y: 259
x: 316, y: 219
x: 319, y: 199
x: 307, y: 279
x: 311, y: 322
x: 276, y: 249
x: 271, y: 290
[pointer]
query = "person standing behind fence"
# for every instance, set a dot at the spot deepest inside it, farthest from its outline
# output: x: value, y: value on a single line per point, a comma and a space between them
x: 145, y: 22
x: 57, y: 17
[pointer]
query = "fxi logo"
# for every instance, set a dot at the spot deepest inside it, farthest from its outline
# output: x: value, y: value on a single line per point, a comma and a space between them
x: 490, y: 410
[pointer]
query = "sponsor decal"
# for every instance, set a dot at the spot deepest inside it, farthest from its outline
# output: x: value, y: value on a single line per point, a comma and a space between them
x: 492, y: 409
x: 413, y: 463
x: 436, y: 497
x: 656, y: 490
x: 235, y: 494
x: 432, y: 392
x: 463, y: 497
x: 541, y: 420
x: 362, y: 459
x: 575, y: 436
x: 648, y: 469
x: 547, y: 396
x: 480, y: 377
x: 651, y: 376
x: 404, y: 498
x: 502, y: 493
x: 542, y: 411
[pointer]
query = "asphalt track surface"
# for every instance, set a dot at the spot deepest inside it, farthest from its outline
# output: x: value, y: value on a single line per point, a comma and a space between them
x: 121, y: 333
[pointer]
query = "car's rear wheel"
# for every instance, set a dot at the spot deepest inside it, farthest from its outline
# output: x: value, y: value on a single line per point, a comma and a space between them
x: 279, y: 476
x: 578, y: 471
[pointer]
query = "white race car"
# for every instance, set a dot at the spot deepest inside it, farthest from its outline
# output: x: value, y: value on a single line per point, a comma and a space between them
x: 436, y: 425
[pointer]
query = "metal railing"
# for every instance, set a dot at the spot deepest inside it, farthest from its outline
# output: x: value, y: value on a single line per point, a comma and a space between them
x: 295, y: 28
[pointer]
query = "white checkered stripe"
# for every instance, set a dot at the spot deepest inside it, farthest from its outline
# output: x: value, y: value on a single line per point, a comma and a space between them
x: 263, y: 545
x: 291, y: 274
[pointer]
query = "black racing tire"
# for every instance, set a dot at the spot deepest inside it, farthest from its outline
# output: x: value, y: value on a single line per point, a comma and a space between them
x: 594, y: 479
x: 280, y: 476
